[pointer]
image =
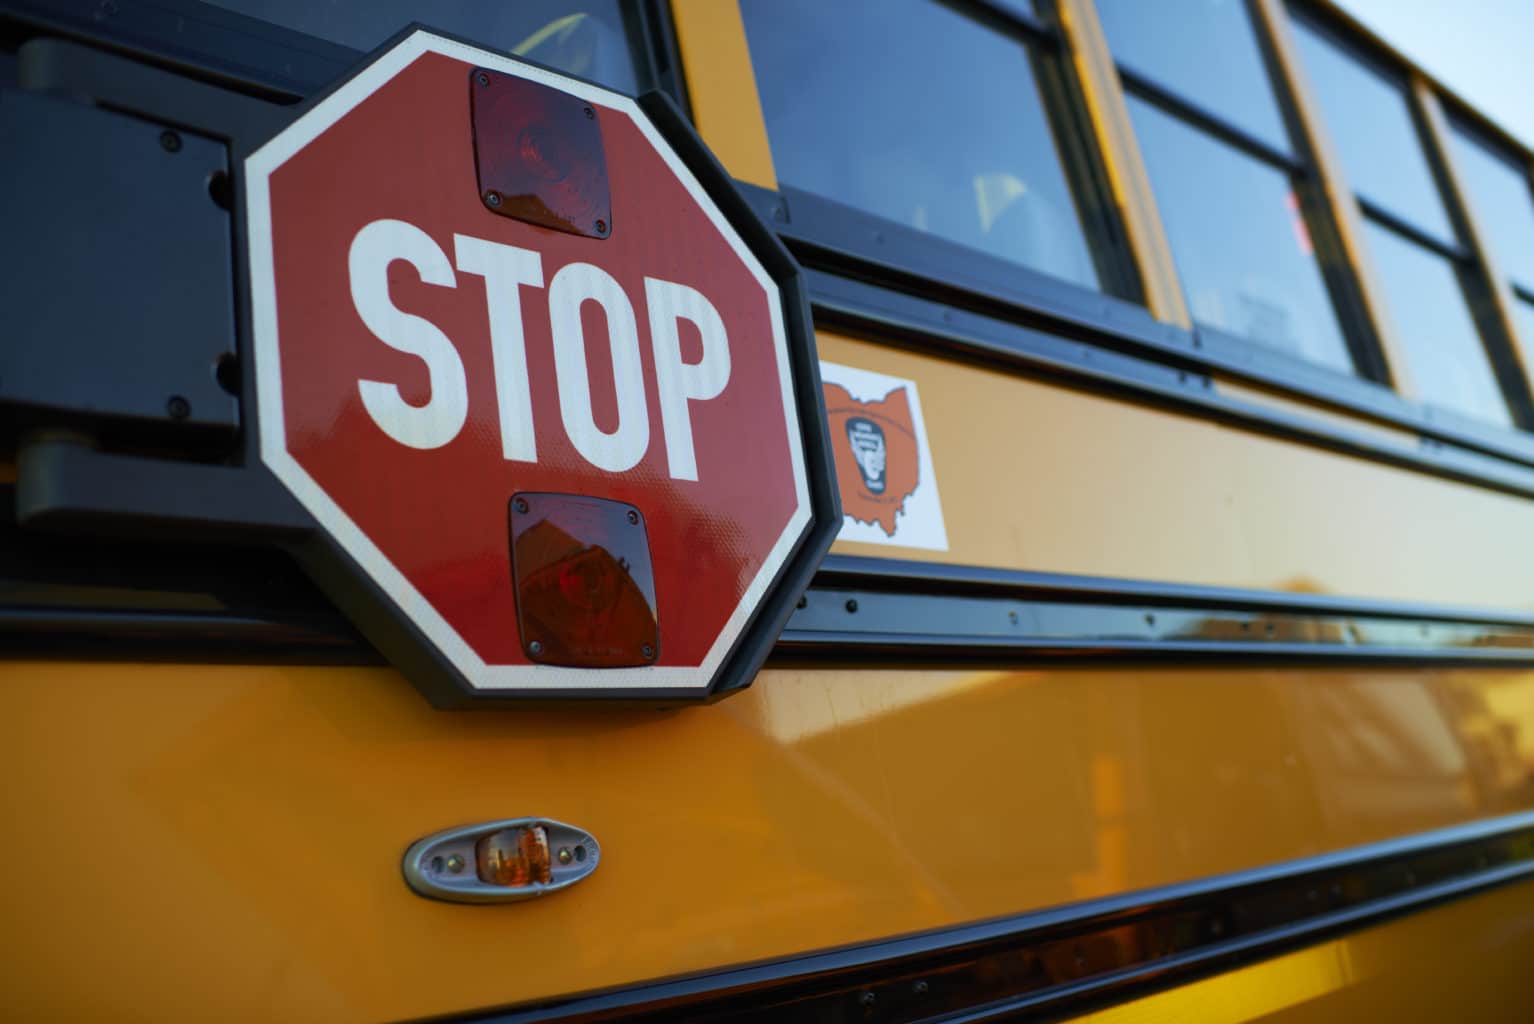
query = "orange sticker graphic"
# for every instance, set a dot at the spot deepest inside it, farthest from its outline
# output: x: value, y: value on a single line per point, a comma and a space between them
x: 876, y: 459
x: 883, y: 465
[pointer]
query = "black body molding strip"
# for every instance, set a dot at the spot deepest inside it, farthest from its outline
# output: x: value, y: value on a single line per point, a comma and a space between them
x: 156, y: 597
x: 1069, y: 959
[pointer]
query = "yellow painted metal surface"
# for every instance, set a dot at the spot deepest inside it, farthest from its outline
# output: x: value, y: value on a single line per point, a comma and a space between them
x: 206, y: 842
x: 721, y: 87
x: 1121, y: 157
x: 1345, y: 215
x: 1037, y: 476
x: 1466, y: 961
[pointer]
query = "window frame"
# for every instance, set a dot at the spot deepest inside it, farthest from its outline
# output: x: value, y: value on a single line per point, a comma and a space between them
x: 862, y: 242
x: 1462, y: 254
x: 1300, y: 167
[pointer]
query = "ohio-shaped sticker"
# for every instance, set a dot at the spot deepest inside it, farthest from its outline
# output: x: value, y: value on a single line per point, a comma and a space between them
x: 883, y: 462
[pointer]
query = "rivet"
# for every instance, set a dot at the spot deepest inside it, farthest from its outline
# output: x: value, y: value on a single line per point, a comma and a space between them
x: 920, y: 988
x: 535, y: 647
x: 868, y: 999
x: 565, y: 856
x: 482, y: 78
x: 590, y: 114
x: 633, y: 518
x: 520, y: 504
x: 178, y: 408
x: 852, y: 604
x: 492, y: 199
x: 455, y: 863
x: 647, y: 651
x: 170, y: 141
x: 601, y: 227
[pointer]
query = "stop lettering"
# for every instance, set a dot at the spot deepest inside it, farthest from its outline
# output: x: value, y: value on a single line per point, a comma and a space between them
x: 507, y: 269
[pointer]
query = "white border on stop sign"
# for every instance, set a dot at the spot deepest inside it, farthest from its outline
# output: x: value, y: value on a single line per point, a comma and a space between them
x: 258, y: 169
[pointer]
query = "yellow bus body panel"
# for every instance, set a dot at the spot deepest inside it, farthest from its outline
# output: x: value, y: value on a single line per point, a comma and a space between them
x: 201, y: 841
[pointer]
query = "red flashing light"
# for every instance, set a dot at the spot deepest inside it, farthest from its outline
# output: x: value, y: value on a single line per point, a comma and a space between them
x: 538, y: 153
x: 584, y: 584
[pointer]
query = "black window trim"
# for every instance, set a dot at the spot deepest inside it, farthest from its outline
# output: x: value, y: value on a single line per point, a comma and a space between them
x: 838, y: 242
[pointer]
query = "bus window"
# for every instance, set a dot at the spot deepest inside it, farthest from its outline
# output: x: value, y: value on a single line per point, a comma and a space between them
x: 915, y: 112
x: 1435, y: 327
x: 1422, y: 264
x: 582, y: 37
x: 1227, y: 75
x: 1371, y: 124
x: 1223, y: 169
x: 1241, y: 245
x: 1499, y: 194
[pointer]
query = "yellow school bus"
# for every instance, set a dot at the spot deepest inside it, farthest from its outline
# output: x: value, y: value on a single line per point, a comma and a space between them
x: 1174, y: 659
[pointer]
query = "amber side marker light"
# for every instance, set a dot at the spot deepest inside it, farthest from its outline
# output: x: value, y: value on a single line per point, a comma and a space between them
x: 538, y: 155
x: 500, y: 861
x: 516, y: 856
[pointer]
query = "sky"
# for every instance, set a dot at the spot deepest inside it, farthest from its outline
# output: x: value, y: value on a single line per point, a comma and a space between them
x: 1478, y: 48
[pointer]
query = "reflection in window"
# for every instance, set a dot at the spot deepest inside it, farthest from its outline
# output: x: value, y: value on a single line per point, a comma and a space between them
x: 1371, y: 122
x: 1241, y: 246
x: 1203, y: 50
x: 912, y: 111
x: 582, y: 37
x: 1433, y: 321
x: 1499, y: 193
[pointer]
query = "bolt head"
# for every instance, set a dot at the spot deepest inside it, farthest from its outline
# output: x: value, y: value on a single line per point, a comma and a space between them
x: 455, y: 863
x: 564, y: 855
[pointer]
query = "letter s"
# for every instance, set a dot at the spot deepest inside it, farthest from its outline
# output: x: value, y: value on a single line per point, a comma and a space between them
x: 438, y: 421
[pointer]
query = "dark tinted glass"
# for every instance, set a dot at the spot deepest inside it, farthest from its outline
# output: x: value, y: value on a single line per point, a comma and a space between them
x: 1499, y: 192
x: 912, y: 111
x: 583, y: 37
x: 1433, y: 321
x: 1370, y: 120
x: 1204, y: 50
x: 1241, y: 246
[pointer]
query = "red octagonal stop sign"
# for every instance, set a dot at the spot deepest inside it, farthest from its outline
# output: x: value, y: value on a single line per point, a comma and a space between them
x: 544, y: 384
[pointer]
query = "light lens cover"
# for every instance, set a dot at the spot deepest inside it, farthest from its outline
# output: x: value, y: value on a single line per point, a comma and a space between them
x: 584, y: 583
x: 514, y: 857
x: 538, y: 153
